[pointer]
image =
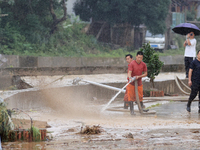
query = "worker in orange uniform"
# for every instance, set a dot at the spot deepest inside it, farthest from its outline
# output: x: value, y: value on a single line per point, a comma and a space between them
x: 129, y: 59
x: 138, y: 69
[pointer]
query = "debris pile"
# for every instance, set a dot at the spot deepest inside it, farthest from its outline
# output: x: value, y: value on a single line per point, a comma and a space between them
x: 91, y: 130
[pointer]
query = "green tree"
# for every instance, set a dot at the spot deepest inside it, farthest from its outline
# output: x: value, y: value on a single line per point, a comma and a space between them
x: 152, y: 61
x: 152, y: 13
x: 7, y: 1
x: 191, y: 15
x: 35, y: 19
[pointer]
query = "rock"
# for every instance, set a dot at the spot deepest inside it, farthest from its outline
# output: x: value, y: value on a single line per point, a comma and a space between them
x: 129, y: 135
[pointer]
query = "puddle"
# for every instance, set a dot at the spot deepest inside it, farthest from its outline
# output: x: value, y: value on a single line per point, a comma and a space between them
x: 177, y: 110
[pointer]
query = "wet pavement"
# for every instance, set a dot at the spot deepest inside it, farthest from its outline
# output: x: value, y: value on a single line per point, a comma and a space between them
x: 177, y: 110
x: 172, y: 127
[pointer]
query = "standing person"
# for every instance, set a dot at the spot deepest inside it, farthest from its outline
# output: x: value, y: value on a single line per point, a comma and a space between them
x: 129, y: 59
x: 190, y: 51
x: 138, y: 69
x: 194, y: 81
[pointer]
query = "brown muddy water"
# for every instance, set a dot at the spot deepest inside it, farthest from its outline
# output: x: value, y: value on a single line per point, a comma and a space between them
x: 170, y: 128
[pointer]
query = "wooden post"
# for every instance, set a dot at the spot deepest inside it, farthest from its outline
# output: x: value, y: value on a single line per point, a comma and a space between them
x: 27, y: 136
x: 24, y: 135
x: 30, y: 136
x: 45, y: 132
x: 19, y: 135
x: 42, y: 137
x: 15, y: 131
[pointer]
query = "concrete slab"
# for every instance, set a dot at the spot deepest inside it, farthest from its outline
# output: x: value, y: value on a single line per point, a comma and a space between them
x: 36, y: 81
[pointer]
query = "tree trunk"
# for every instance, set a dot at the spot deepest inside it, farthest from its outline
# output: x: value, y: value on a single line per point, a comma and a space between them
x: 125, y: 36
x: 168, y: 23
x: 152, y: 82
x: 100, y: 31
x: 56, y: 21
x: 111, y: 35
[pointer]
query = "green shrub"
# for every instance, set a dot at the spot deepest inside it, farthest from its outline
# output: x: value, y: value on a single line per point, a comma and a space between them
x: 152, y: 61
x: 36, y: 133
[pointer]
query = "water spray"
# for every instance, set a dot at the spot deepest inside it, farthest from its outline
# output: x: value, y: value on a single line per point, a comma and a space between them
x: 77, y: 80
x: 113, y: 98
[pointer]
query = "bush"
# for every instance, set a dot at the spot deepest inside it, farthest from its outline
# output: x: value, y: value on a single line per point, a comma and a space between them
x: 152, y: 61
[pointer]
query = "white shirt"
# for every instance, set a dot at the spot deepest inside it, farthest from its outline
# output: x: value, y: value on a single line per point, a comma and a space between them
x: 190, y: 50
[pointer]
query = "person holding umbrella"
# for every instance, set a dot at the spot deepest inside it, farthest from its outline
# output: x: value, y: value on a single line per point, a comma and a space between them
x: 190, y: 30
x: 190, y: 50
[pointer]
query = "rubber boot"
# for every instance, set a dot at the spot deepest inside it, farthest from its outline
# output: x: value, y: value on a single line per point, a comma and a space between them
x: 126, y: 104
x: 188, y: 106
x: 132, y: 108
x: 142, y: 105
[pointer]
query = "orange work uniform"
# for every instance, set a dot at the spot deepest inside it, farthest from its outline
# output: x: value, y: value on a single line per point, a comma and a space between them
x: 137, y: 70
x: 125, y: 95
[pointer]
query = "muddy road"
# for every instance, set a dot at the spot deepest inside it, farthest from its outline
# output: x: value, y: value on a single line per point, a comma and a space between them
x: 172, y: 127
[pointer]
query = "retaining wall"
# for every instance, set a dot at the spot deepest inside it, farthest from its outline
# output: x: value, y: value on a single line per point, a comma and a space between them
x: 35, y: 66
x: 47, y: 97
x: 14, y: 61
x: 26, y: 65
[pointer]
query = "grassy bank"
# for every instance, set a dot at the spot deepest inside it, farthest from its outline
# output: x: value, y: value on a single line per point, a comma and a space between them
x: 68, y: 41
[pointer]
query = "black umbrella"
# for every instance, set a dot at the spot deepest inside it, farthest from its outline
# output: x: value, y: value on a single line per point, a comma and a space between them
x: 185, y: 28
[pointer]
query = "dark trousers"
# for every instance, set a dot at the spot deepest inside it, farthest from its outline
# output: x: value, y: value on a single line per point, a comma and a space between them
x: 187, y: 60
x: 195, y: 88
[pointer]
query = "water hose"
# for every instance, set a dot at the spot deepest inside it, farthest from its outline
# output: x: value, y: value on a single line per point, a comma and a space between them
x: 113, y: 98
x: 183, y: 84
x: 177, y: 83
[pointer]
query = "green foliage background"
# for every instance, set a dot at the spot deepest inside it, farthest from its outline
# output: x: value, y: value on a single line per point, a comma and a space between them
x: 152, y: 13
x: 26, y: 29
x: 191, y: 15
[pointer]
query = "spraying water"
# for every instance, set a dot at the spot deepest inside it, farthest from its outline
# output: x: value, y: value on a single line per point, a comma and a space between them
x: 77, y: 80
x: 113, y: 98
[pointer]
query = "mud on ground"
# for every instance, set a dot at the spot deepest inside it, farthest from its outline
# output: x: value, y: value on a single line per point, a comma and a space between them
x: 170, y: 128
